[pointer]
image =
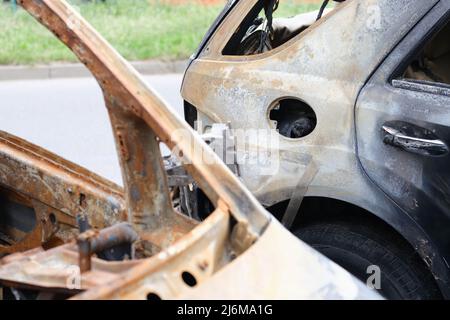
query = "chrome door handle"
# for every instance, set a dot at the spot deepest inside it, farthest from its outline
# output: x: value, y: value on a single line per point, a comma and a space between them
x: 412, y: 138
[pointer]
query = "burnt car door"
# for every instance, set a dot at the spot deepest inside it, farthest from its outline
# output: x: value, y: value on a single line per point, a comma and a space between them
x: 403, y: 133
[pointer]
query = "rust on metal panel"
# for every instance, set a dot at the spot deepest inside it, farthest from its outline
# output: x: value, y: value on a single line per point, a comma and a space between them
x: 93, y: 241
x: 176, y: 256
x: 127, y: 95
x: 56, y: 190
x: 140, y: 121
x: 201, y: 252
x: 149, y: 205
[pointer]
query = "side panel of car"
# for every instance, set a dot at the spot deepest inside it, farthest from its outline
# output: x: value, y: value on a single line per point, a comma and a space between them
x: 324, y: 67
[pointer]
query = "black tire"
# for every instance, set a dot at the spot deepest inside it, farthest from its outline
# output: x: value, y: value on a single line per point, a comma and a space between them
x: 404, y: 276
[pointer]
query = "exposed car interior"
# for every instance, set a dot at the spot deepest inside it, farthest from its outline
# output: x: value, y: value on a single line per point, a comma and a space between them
x: 433, y: 63
x: 261, y: 31
x: 16, y: 219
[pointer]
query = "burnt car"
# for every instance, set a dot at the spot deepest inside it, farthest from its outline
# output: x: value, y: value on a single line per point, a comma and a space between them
x: 359, y: 95
x: 67, y: 233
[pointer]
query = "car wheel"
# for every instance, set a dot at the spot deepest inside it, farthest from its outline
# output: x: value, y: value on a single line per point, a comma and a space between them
x: 355, y: 247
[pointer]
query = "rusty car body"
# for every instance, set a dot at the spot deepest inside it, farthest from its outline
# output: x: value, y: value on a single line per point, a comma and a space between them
x: 133, y: 243
x: 363, y: 150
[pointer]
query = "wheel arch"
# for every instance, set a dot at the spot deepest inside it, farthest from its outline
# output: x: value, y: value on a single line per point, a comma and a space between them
x: 315, y: 209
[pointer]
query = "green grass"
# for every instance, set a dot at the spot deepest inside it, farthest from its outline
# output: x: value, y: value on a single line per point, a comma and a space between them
x: 290, y: 8
x: 138, y: 29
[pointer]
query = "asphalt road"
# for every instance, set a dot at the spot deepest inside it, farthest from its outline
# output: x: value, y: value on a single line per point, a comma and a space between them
x: 68, y: 117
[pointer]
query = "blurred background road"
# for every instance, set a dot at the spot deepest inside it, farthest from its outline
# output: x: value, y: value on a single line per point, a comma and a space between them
x: 69, y: 118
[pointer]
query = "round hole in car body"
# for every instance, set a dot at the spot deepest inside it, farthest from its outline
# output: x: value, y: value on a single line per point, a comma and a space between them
x: 292, y: 118
x: 151, y: 296
x: 189, y: 279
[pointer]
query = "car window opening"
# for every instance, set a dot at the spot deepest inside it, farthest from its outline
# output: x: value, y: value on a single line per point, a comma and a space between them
x: 432, y: 64
x: 270, y: 24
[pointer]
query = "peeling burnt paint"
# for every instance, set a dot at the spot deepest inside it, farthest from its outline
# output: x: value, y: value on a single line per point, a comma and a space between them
x: 172, y: 244
x: 327, y: 66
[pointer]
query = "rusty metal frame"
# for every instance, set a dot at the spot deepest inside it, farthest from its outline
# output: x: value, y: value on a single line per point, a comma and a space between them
x: 238, y: 234
x: 141, y: 121
x: 57, y: 190
x: 138, y: 117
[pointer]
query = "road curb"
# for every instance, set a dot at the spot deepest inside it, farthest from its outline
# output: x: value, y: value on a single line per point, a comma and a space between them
x: 78, y: 70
